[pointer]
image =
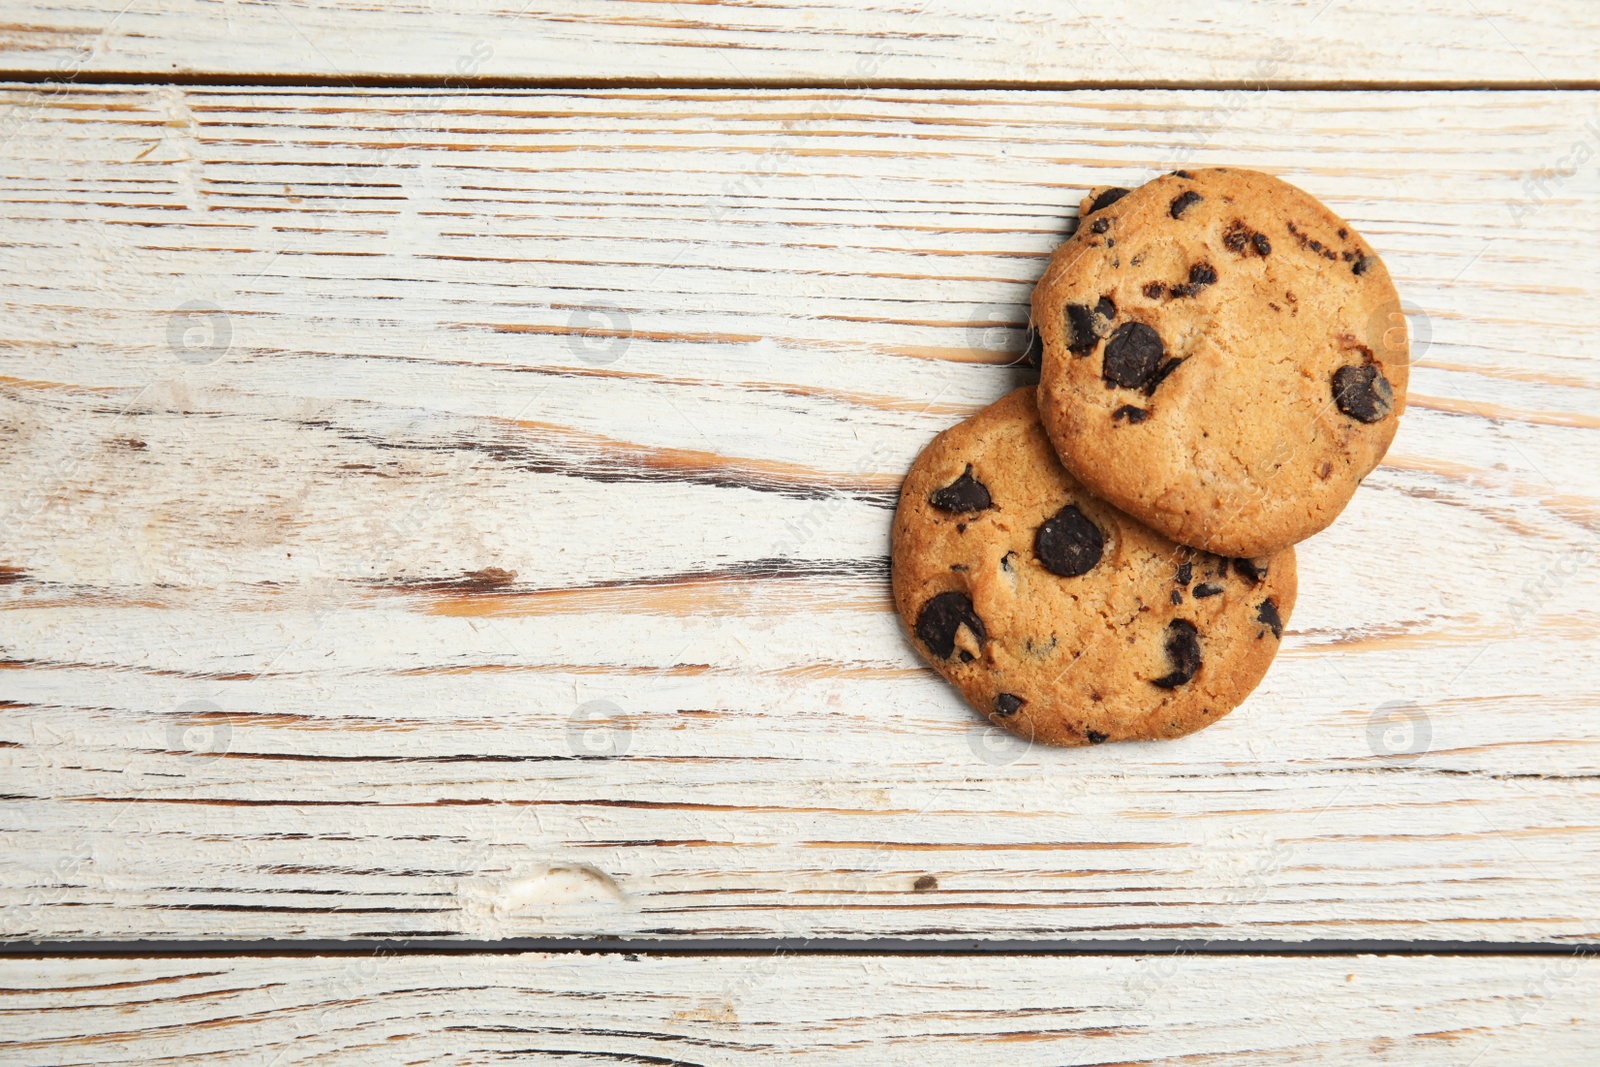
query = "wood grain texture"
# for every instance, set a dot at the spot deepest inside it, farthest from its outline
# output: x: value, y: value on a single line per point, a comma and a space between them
x: 1242, y: 1011
x: 1145, y: 43
x: 505, y: 553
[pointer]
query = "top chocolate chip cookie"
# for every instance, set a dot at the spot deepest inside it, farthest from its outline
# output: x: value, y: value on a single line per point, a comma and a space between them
x: 1224, y: 358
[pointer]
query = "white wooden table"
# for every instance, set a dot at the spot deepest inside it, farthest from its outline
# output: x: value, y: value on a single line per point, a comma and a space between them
x: 447, y: 460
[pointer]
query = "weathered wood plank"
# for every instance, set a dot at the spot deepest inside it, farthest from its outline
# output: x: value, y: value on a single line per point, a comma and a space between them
x: 931, y: 42
x: 1243, y: 1011
x: 526, y: 401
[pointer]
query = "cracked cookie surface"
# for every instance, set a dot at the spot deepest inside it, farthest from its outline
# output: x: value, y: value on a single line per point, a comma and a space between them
x: 1223, y: 358
x: 1056, y: 615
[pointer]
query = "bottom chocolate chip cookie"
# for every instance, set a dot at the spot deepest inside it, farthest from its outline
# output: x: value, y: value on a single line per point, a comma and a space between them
x: 1059, y: 617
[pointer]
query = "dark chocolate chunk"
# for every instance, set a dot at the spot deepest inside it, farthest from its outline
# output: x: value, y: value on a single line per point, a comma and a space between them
x: 1132, y: 356
x: 1176, y: 597
x: 1205, y: 589
x: 939, y: 620
x: 1131, y: 413
x: 964, y: 494
x: 1182, y: 202
x: 1100, y: 225
x: 1183, y: 652
x: 1201, y: 275
x: 1160, y: 375
x: 1006, y: 705
x: 1081, y: 334
x: 1267, y: 615
x: 1362, y: 392
x: 1068, y: 544
x: 1360, y: 265
x: 1106, y: 199
x: 1263, y: 246
x: 1153, y: 290
x: 1252, y: 570
x: 1185, y: 573
x: 1235, y: 237
x: 1105, y: 309
x: 1096, y: 737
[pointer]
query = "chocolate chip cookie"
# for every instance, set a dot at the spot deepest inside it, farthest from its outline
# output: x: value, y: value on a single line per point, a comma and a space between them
x: 1058, y: 616
x: 1220, y: 358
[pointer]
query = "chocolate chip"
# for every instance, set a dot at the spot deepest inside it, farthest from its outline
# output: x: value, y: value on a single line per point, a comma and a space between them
x: 1205, y: 589
x: 1096, y: 737
x: 1250, y: 569
x: 1176, y: 597
x: 1160, y: 375
x: 1153, y: 290
x: 1182, y: 202
x: 1267, y: 615
x: 1182, y: 174
x: 1234, y: 238
x: 1263, y: 246
x: 1360, y: 265
x: 1133, y: 355
x: 1316, y: 246
x: 1081, y: 334
x: 1101, y: 225
x: 964, y: 494
x: 939, y: 620
x: 1106, y: 199
x: 1183, y: 652
x: 1006, y: 705
x: 1361, y: 392
x: 1068, y: 544
x: 1343, y: 233
x: 1131, y: 413
x: 1201, y: 275
x: 958, y: 566
x: 1185, y: 573
x: 1105, y: 309
x: 1005, y: 562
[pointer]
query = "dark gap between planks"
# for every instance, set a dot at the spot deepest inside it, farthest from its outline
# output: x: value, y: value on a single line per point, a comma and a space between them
x: 779, y: 946
x: 455, y: 83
